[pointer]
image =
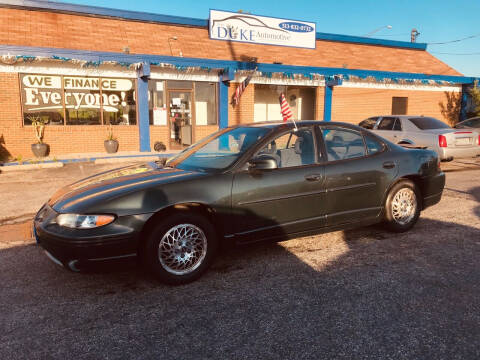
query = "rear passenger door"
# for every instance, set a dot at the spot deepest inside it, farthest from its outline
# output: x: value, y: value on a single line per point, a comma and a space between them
x: 390, y: 127
x: 357, y: 172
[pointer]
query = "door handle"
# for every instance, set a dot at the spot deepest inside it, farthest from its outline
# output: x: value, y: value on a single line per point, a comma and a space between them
x: 388, y: 164
x: 313, y: 177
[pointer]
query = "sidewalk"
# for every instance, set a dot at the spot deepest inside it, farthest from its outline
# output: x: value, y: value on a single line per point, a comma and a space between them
x: 97, y: 158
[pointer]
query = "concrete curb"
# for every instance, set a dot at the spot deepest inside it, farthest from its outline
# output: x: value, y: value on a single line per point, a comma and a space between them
x: 31, y: 166
x: 11, y: 220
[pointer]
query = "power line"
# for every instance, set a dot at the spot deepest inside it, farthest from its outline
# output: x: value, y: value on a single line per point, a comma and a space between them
x: 446, y: 53
x: 394, y: 34
x: 454, y: 41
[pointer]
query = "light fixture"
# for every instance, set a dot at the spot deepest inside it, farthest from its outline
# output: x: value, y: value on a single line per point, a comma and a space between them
x: 170, y: 45
x: 377, y: 30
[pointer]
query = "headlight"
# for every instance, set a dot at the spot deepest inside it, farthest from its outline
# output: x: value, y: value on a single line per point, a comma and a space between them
x: 76, y: 221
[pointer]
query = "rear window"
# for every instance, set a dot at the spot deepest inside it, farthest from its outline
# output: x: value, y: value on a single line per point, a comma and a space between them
x: 428, y: 123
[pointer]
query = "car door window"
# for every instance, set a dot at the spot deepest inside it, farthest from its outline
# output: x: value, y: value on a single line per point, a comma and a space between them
x: 341, y: 143
x: 294, y: 148
x: 373, y: 145
x: 398, y: 125
x: 386, y: 123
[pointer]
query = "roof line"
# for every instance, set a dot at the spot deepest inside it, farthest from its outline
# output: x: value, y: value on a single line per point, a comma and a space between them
x: 97, y: 57
x: 68, y: 8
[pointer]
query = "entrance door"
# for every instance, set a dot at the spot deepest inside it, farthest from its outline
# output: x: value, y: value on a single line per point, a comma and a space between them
x: 180, y: 110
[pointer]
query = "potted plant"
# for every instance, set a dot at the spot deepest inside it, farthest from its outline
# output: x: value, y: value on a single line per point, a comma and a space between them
x: 111, y: 142
x: 39, y: 149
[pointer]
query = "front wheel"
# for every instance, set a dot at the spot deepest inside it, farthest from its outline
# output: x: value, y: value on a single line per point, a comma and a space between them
x: 181, y: 248
x: 402, y: 207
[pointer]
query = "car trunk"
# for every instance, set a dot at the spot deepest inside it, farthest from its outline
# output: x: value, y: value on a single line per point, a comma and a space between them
x: 457, y: 138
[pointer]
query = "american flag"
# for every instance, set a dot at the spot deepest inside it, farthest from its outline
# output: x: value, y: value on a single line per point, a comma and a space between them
x: 240, y: 89
x: 285, y: 108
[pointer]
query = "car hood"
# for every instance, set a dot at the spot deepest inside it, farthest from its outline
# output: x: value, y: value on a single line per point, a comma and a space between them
x: 84, y: 195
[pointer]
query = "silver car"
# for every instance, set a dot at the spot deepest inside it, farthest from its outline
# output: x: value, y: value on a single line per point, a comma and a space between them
x: 426, y: 132
x: 472, y: 123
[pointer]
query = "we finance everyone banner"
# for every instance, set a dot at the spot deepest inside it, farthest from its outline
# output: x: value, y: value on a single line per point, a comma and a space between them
x: 50, y: 92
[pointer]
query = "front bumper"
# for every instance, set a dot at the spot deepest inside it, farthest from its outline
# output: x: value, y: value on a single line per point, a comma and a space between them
x: 118, y: 239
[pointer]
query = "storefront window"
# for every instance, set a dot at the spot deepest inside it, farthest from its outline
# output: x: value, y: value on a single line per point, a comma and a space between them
x: 205, y: 103
x: 42, y: 98
x: 82, y: 107
x: 75, y: 100
x: 119, y: 107
x: 267, y: 105
x: 157, y: 102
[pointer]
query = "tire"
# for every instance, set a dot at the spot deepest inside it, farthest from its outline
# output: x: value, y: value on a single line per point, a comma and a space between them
x: 168, y: 252
x: 402, y: 206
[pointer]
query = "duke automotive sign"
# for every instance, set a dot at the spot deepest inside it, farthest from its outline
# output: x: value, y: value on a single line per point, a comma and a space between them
x: 261, y: 29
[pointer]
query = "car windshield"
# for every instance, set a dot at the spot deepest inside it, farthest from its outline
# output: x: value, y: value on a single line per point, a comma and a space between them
x: 428, y: 123
x: 218, y: 151
x: 368, y: 123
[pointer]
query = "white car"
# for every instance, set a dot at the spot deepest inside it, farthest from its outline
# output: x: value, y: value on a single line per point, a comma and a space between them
x: 428, y: 132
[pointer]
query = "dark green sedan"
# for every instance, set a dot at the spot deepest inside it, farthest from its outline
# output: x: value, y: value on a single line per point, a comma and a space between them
x: 241, y: 184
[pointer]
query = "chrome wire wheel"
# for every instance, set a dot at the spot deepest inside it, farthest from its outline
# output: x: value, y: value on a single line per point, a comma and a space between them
x: 404, y: 206
x: 182, y: 249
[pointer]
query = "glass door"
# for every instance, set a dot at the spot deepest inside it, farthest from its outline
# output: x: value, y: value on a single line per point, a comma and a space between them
x: 180, y: 114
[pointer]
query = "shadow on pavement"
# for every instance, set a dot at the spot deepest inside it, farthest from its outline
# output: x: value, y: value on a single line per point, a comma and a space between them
x: 354, y: 294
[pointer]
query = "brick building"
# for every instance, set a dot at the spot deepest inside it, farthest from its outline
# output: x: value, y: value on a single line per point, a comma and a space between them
x: 158, y: 78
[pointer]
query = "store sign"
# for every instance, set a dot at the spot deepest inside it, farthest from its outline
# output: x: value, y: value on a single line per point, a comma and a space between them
x: 48, y: 92
x: 261, y: 30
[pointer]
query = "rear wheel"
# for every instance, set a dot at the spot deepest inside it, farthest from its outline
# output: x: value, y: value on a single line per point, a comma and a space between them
x: 181, y: 248
x: 402, y: 207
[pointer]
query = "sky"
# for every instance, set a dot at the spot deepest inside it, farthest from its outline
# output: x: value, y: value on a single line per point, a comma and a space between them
x: 437, y: 21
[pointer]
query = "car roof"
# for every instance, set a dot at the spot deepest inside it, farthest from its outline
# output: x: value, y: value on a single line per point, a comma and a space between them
x: 290, y: 124
x: 402, y: 116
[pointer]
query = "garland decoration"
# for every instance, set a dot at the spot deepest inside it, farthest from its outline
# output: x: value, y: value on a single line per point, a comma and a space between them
x: 8, y: 59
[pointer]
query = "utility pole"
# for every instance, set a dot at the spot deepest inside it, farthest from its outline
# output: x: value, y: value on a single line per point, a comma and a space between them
x: 414, y: 35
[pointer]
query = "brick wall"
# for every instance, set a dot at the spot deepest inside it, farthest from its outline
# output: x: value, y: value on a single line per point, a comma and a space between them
x: 243, y: 112
x: 62, y: 139
x: 353, y: 105
x: 319, y: 102
x: 48, y: 29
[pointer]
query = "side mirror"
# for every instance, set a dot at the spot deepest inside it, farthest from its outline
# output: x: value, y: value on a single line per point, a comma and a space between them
x: 263, y: 162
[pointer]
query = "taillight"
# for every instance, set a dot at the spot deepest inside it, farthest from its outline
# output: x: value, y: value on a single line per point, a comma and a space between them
x: 478, y: 140
x: 442, y: 141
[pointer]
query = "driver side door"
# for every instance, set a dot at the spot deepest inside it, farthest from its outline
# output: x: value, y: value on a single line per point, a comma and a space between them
x: 286, y: 200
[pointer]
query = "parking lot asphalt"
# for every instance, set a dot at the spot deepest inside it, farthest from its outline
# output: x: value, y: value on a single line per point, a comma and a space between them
x: 356, y: 294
